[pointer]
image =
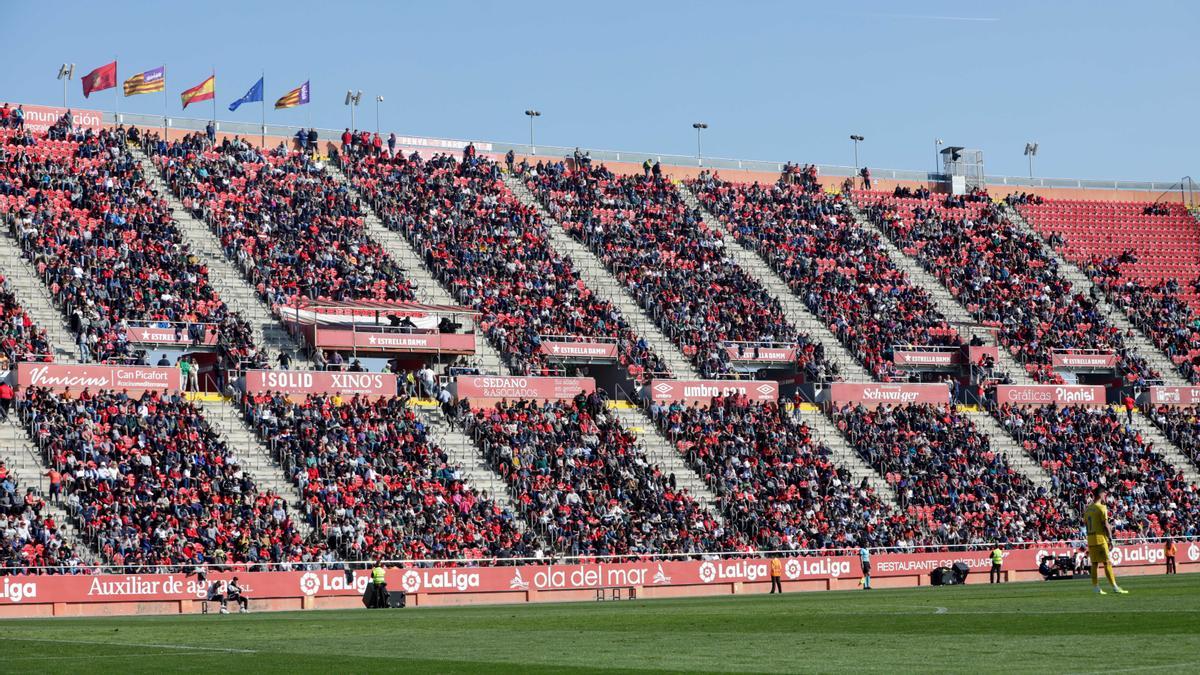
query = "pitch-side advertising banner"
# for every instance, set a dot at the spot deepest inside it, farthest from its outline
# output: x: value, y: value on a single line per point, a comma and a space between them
x: 886, y: 393
x: 703, y: 391
x: 29, y: 589
x: 62, y: 377
x: 300, y: 383
x: 1045, y: 394
x: 489, y: 389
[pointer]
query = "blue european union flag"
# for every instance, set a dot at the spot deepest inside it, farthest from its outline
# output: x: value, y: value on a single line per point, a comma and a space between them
x: 253, y: 96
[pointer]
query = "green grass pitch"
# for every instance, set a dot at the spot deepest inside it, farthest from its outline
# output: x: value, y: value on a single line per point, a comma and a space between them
x: 1059, y: 627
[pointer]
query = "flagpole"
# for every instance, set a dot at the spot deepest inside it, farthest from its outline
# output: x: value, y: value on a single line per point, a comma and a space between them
x: 263, y: 100
x: 164, y: 82
x: 116, y: 94
x: 214, y: 97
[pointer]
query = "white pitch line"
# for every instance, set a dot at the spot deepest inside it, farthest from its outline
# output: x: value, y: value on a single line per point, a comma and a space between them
x: 186, y: 648
x: 941, y: 610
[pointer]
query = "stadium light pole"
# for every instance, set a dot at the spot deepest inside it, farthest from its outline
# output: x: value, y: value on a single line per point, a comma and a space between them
x: 1031, y: 152
x: 65, y: 72
x: 352, y: 100
x: 937, y: 144
x: 378, y: 100
x: 856, y: 138
x: 532, y: 114
x: 699, y: 127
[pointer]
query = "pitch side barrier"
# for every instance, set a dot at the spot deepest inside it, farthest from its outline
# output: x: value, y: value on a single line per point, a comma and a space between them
x: 107, y: 590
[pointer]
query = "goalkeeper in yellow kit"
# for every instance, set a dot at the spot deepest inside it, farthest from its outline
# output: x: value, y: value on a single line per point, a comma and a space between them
x: 1099, y: 539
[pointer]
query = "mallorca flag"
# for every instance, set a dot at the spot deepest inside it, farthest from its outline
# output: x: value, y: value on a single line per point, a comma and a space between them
x: 201, y: 92
x: 104, y: 77
x: 148, y: 82
x: 295, y: 97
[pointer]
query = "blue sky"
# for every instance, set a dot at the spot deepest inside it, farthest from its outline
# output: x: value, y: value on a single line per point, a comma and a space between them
x: 1100, y: 85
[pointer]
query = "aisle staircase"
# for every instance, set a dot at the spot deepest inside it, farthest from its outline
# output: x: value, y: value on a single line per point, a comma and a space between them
x: 35, y: 299
x: 25, y: 464
x: 844, y: 455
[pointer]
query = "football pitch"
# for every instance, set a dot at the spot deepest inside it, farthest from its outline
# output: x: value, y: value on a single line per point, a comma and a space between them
x: 1037, y: 626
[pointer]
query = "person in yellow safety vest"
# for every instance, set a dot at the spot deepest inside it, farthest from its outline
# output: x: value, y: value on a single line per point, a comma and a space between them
x: 997, y: 561
x: 1169, y: 555
x: 379, y: 585
x: 776, y: 571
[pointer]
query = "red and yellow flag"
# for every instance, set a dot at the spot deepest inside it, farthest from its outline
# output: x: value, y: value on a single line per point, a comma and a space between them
x: 205, y: 91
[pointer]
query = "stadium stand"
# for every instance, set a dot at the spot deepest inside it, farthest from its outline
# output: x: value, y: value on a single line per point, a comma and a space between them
x: 778, y: 488
x: 647, y: 237
x: 838, y: 269
x: 29, y: 538
x: 20, y: 339
x: 1181, y: 424
x: 586, y: 485
x: 1002, y: 276
x: 493, y: 252
x: 375, y: 484
x: 107, y: 247
x: 151, y: 485
x: 949, y: 479
x: 1081, y: 447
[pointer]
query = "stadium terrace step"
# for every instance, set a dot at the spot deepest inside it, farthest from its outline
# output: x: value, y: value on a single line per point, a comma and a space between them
x: 943, y: 300
x: 427, y: 287
x: 35, y: 299
x: 254, y: 458
x: 25, y: 464
x: 793, y: 308
x: 1163, y: 446
x: 658, y: 449
x: 844, y: 455
x: 1001, y: 441
x: 462, y: 451
x: 230, y: 284
x: 1080, y: 281
x: 601, y: 282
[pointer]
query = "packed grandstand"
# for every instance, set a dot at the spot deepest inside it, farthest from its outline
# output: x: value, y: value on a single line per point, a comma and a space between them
x: 491, y: 359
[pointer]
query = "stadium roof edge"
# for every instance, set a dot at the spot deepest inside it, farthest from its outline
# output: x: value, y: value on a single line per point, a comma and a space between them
x: 553, y: 152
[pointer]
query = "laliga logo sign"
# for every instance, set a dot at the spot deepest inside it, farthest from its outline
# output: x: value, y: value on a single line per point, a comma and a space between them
x: 1193, y: 553
x: 17, y: 592
x: 411, y: 581
x: 309, y: 584
x: 312, y: 583
x: 708, y: 572
x: 792, y: 568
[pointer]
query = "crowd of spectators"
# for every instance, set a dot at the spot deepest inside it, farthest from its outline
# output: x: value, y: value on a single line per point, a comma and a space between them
x: 949, y: 479
x: 1005, y: 279
x: 834, y: 266
x: 1082, y: 447
x: 1181, y: 424
x: 492, y: 251
x: 778, y: 488
x: 29, y: 537
x: 150, y: 484
x: 586, y: 484
x: 20, y: 339
x: 292, y: 227
x: 376, y: 485
x: 104, y: 242
x: 664, y: 254
x: 1156, y: 309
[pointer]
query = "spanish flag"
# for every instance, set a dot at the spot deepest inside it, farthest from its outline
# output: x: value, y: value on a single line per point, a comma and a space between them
x: 295, y: 97
x: 148, y: 82
x: 201, y: 92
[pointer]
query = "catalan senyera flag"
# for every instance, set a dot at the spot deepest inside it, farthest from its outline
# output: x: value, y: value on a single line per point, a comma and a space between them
x: 149, y: 82
x: 295, y: 97
x: 104, y: 77
x: 201, y: 92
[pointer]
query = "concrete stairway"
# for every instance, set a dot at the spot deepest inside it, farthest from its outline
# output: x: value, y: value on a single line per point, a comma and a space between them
x: 660, y: 451
x: 1135, y: 338
x: 477, y: 473
x: 35, y: 299
x: 224, y: 276
x: 255, y: 458
x: 1003, y: 442
x: 428, y: 290
x: 605, y: 285
x: 24, y: 463
x: 794, y: 309
x: 844, y: 455
x: 1163, y: 446
x: 945, y: 303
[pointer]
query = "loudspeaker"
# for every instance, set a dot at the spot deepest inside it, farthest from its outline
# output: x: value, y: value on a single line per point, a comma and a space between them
x: 935, y: 576
x: 397, y: 599
x: 961, y: 570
